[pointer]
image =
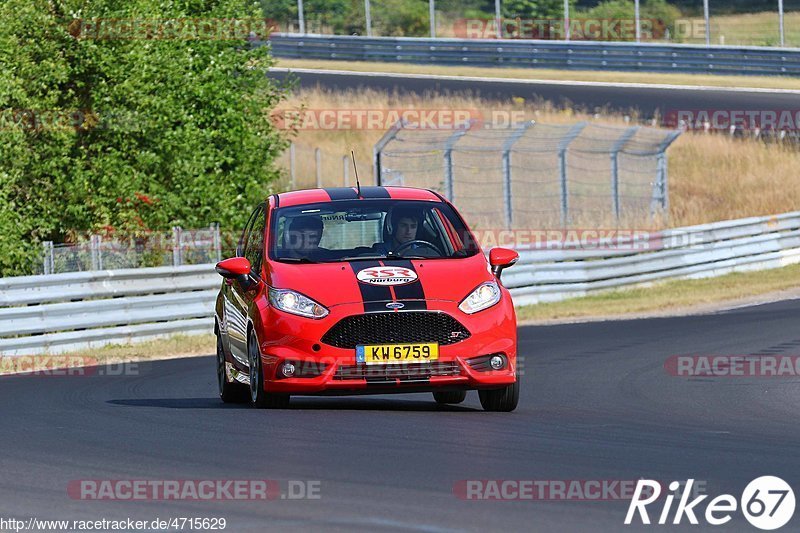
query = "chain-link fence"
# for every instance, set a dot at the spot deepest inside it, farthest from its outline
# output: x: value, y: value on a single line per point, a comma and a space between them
x: 309, y: 167
x: 535, y: 175
x: 179, y: 247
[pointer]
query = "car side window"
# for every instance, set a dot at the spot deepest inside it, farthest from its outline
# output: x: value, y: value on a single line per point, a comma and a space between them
x: 254, y: 248
x: 246, y: 232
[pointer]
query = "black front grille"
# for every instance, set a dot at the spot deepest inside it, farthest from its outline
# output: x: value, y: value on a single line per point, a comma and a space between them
x: 396, y: 328
x: 401, y: 371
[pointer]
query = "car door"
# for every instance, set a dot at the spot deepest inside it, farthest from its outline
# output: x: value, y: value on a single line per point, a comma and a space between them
x: 236, y: 305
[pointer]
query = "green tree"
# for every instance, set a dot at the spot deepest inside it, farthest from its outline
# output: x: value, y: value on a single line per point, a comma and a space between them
x: 136, y: 133
x: 534, y: 9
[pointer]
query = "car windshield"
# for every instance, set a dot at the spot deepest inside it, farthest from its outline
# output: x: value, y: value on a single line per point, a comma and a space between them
x: 368, y: 229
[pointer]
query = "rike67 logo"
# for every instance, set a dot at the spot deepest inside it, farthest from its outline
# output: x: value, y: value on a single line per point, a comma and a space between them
x: 767, y: 503
x: 387, y: 275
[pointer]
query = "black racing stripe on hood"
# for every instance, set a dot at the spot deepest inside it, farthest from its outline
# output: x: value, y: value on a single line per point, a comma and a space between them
x: 411, y: 291
x: 342, y: 193
x: 374, y: 297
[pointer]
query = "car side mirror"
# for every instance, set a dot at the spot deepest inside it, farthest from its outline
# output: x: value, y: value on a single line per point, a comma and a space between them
x: 236, y: 268
x: 502, y: 258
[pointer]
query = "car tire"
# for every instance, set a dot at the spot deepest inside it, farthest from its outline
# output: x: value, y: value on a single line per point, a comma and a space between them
x: 228, y: 392
x: 450, y: 397
x: 260, y: 398
x: 500, y: 400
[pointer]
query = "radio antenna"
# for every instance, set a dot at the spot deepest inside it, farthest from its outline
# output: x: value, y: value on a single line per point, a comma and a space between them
x: 355, y: 168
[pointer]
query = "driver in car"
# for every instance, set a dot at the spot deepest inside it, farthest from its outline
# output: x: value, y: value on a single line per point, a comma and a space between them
x: 405, y: 225
x: 302, y: 239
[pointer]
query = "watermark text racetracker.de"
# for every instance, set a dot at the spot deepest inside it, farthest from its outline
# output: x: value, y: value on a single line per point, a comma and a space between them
x: 733, y: 366
x: 343, y: 119
x: 65, y: 365
x: 171, y: 29
x: 550, y: 490
x: 193, y: 489
x: 579, y: 29
x: 726, y: 120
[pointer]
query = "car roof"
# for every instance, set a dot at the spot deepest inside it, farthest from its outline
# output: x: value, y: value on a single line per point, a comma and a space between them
x: 333, y: 194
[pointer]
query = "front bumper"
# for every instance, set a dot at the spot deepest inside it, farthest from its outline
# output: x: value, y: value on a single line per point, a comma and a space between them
x: 299, y: 340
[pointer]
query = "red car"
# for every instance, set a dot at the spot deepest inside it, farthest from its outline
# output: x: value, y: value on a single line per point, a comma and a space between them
x: 366, y: 290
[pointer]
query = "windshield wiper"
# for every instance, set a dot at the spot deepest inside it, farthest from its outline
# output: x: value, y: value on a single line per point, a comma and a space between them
x: 362, y: 258
x: 297, y: 260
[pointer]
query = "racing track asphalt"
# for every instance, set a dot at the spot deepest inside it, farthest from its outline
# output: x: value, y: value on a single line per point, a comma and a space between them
x: 648, y: 101
x: 596, y: 403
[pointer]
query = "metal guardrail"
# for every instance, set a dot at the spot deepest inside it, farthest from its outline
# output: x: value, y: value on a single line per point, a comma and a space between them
x: 64, y: 312
x: 578, y: 55
x: 693, y: 252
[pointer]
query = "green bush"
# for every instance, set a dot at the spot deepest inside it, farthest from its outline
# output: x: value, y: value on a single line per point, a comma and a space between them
x: 401, y: 18
x: 151, y: 132
x: 662, y: 14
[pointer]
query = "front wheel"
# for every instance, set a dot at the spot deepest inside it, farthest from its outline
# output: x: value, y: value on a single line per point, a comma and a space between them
x: 450, y: 397
x: 228, y: 392
x: 258, y: 396
x: 502, y: 400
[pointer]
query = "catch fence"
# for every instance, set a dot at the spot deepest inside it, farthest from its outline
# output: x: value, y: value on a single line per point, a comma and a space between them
x: 535, y: 175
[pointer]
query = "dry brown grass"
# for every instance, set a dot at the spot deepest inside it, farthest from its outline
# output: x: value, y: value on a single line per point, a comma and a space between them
x: 712, y: 176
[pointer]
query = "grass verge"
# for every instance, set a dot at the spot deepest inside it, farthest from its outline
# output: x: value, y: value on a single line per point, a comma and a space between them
x: 673, y: 297
x: 709, y: 80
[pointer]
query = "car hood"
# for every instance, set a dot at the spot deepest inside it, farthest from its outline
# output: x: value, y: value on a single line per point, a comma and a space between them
x: 333, y: 284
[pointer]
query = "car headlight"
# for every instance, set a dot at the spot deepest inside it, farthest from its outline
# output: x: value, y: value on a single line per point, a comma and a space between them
x: 486, y: 295
x: 295, y: 303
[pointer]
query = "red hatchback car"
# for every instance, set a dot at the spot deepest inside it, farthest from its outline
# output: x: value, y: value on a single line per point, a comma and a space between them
x: 364, y: 291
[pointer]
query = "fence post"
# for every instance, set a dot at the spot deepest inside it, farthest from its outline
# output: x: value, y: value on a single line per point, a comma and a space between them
x: 345, y: 171
x: 292, y: 166
x: 177, y: 237
x: 562, y: 168
x: 377, y: 150
x: 615, y: 150
x: 96, y: 253
x: 660, y: 196
x: 217, y: 241
x: 318, y: 165
x: 368, y: 16
x: 660, y: 187
x: 448, y: 160
x: 507, y: 145
x: 48, y: 260
x: 432, y: 17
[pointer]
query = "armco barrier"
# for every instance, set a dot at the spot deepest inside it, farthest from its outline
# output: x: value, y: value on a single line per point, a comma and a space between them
x: 64, y: 312
x: 578, y: 55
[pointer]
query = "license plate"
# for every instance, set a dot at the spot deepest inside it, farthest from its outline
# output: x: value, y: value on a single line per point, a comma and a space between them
x: 381, y: 354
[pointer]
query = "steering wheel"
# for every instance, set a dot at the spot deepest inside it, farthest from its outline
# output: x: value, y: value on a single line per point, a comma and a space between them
x: 418, y: 242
